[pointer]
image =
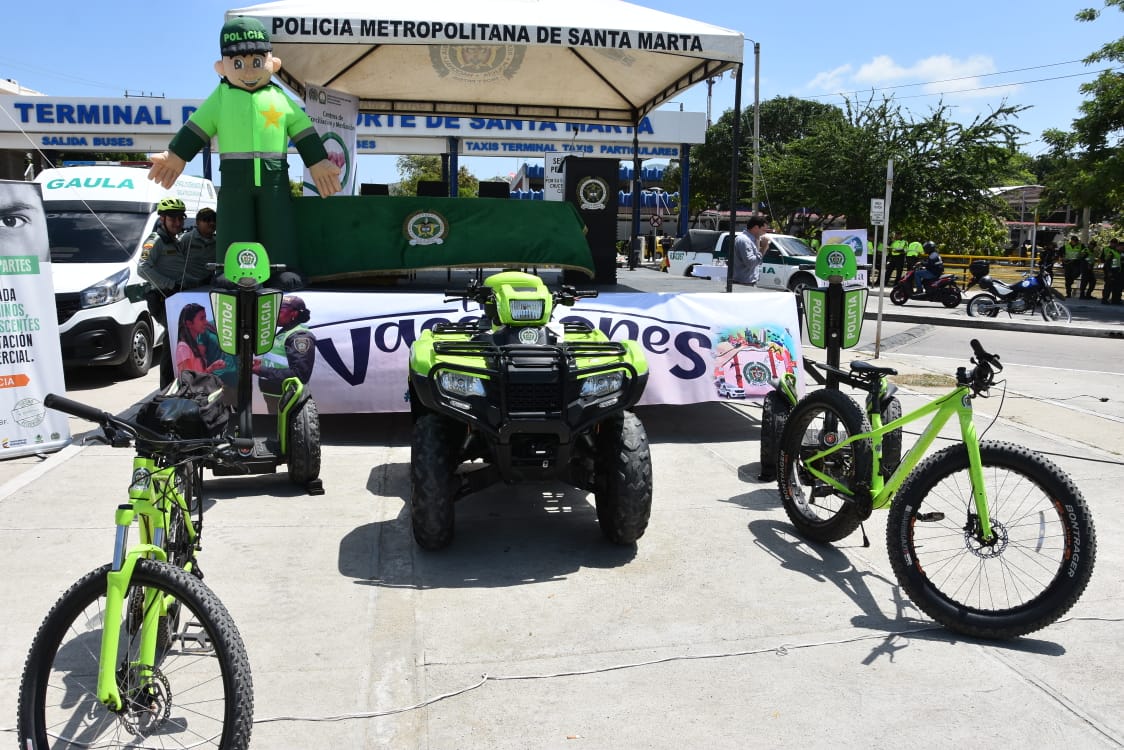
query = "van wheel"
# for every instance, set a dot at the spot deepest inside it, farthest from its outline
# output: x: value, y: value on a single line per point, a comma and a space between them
x: 139, y: 358
x: 800, y: 282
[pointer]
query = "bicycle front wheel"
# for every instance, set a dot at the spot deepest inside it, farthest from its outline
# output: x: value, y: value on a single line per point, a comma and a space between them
x: 198, y: 693
x: 818, y: 421
x: 1027, y: 576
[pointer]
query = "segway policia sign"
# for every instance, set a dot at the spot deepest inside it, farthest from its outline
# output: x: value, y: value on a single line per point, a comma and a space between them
x: 831, y: 315
x: 247, y: 266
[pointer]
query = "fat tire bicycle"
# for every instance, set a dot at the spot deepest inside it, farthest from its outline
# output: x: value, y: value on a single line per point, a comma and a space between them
x: 140, y: 652
x: 989, y: 538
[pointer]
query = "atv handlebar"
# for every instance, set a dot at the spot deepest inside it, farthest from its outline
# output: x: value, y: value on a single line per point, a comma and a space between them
x: 568, y: 295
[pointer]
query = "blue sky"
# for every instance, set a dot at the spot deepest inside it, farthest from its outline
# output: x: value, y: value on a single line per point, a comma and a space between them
x: 974, y: 54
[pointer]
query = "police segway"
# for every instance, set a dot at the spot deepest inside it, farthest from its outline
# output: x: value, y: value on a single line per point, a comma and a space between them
x: 246, y: 324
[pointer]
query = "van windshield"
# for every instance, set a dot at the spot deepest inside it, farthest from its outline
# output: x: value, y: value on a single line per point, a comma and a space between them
x: 83, y: 237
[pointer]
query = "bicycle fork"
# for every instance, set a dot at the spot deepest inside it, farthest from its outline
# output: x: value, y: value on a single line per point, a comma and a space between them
x: 152, y: 531
x: 117, y: 588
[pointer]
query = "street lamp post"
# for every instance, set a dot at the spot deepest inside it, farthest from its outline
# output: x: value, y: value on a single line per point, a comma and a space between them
x: 756, y: 118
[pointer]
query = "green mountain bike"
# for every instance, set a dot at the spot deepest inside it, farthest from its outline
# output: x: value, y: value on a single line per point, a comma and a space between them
x: 988, y: 538
x: 139, y: 652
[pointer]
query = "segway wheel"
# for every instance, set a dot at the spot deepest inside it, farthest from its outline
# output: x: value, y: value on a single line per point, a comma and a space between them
x: 304, y: 444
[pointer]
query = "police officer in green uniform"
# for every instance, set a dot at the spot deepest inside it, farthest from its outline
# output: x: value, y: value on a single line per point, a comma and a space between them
x: 896, y: 264
x: 166, y: 266
x: 914, y: 252
x: 1113, y: 272
x: 1074, y: 260
x: 254, y: 120
x: 293, y: 354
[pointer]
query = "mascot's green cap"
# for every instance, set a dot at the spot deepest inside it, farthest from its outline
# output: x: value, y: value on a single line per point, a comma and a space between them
x: 243, y: 36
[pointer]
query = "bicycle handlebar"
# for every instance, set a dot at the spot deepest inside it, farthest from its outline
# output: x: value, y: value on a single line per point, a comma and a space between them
x: 982, y: 376
x: 111, y: 425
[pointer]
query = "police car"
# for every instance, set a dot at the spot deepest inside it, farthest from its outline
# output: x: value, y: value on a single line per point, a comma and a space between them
x: 728, y: 390
x: 787, y: 264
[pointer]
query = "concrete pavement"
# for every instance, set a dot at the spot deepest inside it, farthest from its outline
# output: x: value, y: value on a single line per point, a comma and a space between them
x: 720, y: 628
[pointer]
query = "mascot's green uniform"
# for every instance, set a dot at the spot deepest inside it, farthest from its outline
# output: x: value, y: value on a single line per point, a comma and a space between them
x: 254, y: 121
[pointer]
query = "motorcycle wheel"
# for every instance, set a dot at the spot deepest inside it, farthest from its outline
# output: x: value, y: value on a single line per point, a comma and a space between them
x: 1053, y: 310
x: 983, y: 306
x: 951, y: 296
x: 899, y: 295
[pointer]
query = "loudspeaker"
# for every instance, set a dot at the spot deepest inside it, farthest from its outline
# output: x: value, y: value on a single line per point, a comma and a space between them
x: 591, y: 185
x: 374, y: 188
x: 494, y: 189
x: 432, y: 189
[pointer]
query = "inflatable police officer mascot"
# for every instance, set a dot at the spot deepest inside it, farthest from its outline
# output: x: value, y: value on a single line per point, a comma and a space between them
x: 254, y: 121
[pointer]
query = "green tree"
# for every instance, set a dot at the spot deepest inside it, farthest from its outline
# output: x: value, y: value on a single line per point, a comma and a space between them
x: 783, y: 121
x: 1089, y: 159
x: 415, y: 168
x: 942, y: 169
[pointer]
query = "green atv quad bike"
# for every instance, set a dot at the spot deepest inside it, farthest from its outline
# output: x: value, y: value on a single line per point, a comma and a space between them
x: 515, y: 397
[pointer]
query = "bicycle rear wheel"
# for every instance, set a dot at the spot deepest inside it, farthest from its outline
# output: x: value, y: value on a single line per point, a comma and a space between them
x: 1031, y: 574
x: 774, y: 412
x: 199, y: 692
x: 818, y: 421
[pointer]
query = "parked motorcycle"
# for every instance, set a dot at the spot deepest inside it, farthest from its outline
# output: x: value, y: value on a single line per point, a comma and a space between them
x: 1032, y: 294
x: 942, y: 289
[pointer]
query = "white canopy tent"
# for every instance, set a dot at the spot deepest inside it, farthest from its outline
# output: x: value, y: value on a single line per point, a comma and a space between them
x: 503, y: 59
x: 519, y: 59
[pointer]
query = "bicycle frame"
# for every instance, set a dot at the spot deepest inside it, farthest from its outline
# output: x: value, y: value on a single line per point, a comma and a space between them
x: 958, y: 402
x: 151, y: 494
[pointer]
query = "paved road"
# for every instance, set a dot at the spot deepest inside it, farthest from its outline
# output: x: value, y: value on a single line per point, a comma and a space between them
x: 720, y: 628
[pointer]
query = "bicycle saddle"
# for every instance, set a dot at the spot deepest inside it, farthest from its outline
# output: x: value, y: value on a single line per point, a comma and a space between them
x: 860, y: 367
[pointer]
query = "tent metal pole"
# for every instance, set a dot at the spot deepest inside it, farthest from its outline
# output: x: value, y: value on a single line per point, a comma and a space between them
x: 735, y: 141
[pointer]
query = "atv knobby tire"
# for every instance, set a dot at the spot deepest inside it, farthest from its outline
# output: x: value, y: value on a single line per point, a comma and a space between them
x: 433, y: 465
x: 623, y: 478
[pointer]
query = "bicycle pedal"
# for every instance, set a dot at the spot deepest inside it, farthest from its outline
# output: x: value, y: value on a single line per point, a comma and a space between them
x: 930, y: 517
x: 197, y: 640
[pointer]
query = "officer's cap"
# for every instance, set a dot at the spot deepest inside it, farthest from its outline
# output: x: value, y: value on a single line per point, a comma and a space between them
x: 293, y: 302
x: 244, y: 36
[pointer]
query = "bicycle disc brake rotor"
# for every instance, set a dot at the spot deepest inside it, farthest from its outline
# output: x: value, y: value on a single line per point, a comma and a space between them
x: 973, y: 539
x: 147, y: 698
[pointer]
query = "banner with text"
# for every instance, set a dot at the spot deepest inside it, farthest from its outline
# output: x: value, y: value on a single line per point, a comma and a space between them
x: 700, y: 347
x: 30, y: 353
x: 334, y: 114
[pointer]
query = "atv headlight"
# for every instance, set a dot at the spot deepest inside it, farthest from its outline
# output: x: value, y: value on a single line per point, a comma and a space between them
x: 459, y: 384
x: 105, y: 292
x: 596, y: 386
x: 526, y: 309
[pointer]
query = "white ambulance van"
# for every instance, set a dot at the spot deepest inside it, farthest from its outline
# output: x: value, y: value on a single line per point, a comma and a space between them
x: 98, y: 218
